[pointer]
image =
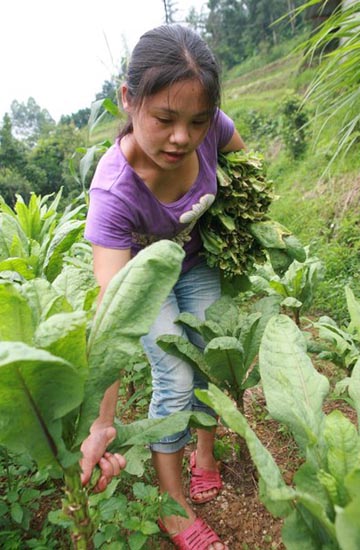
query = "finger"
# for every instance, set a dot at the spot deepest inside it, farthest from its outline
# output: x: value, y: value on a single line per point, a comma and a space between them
x: 101, y: 485
x: 117, y: 461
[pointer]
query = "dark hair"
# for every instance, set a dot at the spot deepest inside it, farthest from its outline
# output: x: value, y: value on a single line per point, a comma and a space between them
x: 166, y: 55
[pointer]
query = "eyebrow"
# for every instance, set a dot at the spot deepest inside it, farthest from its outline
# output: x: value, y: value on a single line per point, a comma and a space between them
x: 173, y: 112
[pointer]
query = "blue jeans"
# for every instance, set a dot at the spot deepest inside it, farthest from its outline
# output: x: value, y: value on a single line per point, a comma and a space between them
x: 173, y: 379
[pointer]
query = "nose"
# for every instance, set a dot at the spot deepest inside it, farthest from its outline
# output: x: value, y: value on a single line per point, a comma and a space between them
x: 180, y: 135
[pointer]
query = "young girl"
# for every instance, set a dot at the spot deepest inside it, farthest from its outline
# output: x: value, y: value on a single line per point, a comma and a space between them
x: 154, y: 183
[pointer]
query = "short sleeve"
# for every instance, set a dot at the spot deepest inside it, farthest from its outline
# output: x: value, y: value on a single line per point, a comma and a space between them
x: 108, y: 222
x: 225, y: 128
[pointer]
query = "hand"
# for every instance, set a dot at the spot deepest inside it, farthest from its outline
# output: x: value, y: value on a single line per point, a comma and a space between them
x: 94, y: 452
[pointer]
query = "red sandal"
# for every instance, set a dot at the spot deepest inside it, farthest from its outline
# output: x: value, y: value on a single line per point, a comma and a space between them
x: 203, y: 480
x: 198, y: 536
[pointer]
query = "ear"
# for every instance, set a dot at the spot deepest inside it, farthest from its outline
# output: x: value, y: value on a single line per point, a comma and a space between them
x: 124, y: 97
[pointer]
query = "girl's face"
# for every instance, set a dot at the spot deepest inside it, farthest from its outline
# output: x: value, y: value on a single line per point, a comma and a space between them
x: 171, y: 124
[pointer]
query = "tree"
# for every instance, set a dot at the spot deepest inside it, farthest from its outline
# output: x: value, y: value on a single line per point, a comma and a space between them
x: 79, y: 119
x: 51, y: 155
x: 170, y: 11
x: 29, y: 121
x: 12, y: 152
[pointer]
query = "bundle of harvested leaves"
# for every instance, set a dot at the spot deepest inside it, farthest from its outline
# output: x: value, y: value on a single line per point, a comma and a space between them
x: 236, y: 230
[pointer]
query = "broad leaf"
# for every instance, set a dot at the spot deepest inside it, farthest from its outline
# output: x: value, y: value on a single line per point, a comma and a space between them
x: 348, y: 526
x: 36, y: 391
x: 64, y: 335
x: 225, y: 357
x: 186, y: 351
x: 270, y: 474
x: 294, y: 390
x: 343, y: 446
x: 16, y: 319
x: 130, y: 305
x: 63, y: 239
x: 75, y: 284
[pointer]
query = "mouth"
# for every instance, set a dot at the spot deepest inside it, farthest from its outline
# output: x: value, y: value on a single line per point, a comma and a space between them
x: 174, y: 156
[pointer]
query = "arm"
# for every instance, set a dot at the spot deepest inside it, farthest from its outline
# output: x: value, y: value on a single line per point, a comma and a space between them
x: 234, y: 144
x: 107, y: 262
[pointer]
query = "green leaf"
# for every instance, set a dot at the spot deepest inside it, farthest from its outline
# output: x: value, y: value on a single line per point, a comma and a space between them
x: 64, y: 335
x: 136, y: 457
x: 17, y: 513
x: 354, y: 311
x: 151, y: 430
x: 137, y: 540
x: 16, y: 320
x: 75, y: 284
x: 10, y: 232
x: 43, y: 299
x: 354, y: 389
x: 63, y: 239
x: 225, y: 358
x: 186, y: 351
x: 294, y: 390
x: 343, y: 445
x: 129, y: 307
x: 297, y: 533
x: 36, y: 391
x: 348, y: 526
x: 19, y: 265
x: 264, y: 462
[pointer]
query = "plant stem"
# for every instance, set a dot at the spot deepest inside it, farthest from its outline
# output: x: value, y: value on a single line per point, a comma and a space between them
x: 76, y: 506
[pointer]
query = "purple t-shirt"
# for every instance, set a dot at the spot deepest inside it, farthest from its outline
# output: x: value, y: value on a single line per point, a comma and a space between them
x: 124, y: 213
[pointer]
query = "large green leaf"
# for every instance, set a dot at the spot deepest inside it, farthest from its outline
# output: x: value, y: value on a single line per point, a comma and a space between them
x: 186, y: 351
x: 64, y: 335
x: 294, y: 390
x: 131, y: 438
x: 76, y: 285
x: 270, y: 473
x: 63, y: 239
x: 130, y: 305
x: 348, y: 525
x: 343, y: 446
x: 36, y: 391
x: 43, y: 299
x: 225, y: 357
x: 16, y: 319
x: 10, y: 233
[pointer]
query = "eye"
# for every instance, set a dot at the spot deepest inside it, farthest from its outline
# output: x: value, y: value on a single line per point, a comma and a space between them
x: 163, y: 120
x: 201, y: 122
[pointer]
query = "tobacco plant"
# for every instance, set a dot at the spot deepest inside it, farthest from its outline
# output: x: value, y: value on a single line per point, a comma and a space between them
x: 296, y: 286
x: 55, y: 367
x: 232, y: 339
x: 34, y: 237
x: 321, y: 506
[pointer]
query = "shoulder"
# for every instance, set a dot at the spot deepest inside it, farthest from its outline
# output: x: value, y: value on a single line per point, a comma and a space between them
x: 221, y: 129
x: 111, y: 169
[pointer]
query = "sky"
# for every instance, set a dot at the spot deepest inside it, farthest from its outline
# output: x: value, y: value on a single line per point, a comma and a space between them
x: 61, y: 51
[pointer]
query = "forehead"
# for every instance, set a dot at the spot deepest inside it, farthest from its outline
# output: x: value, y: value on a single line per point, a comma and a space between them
x: 188, y: 95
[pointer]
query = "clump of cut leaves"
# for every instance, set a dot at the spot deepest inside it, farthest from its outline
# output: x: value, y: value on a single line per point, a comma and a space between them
x: 236, y: 230
x: 322, y: 504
